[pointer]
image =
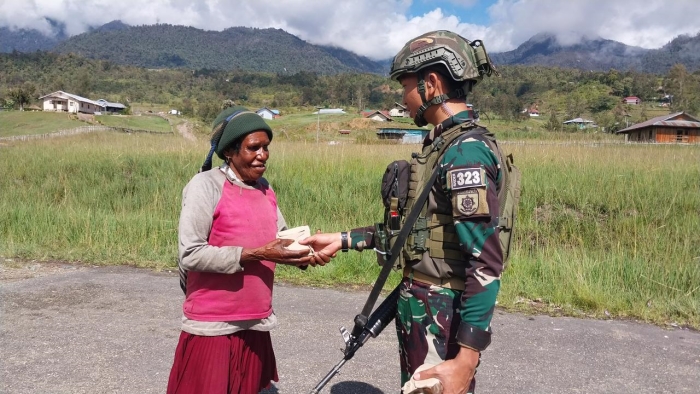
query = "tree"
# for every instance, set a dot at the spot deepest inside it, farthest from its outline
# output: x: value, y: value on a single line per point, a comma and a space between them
x: 554, y: 124
x: 22, y: 94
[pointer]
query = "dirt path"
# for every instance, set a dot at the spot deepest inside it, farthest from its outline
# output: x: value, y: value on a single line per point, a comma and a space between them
x: 184, y: 129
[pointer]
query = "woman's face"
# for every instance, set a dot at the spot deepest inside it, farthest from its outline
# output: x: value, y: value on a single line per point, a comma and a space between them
x: 249, y: 162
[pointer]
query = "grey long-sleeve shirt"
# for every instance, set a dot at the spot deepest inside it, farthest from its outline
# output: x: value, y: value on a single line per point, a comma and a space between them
x: 199, y: 200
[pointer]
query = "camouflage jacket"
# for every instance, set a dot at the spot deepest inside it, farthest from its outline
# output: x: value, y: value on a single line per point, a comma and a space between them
x: 475, y: 213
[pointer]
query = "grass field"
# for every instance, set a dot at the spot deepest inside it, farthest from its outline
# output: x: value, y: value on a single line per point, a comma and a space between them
x: 604, y: 229
x: 136, y: 122
x: 27, y: 123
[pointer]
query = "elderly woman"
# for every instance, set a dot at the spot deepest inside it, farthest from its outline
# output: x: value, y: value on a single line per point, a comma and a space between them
x: 228, y: 251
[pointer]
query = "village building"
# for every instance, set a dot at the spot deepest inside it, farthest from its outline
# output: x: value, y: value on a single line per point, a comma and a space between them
x: 330, y: 111
x: 67, y: 102
x: 267, y: 113
x: 632, y: 100
x: 581, y: 123
x: 111, y: 108
x: 399, y: 111
x: 533, y: 111
x: 673, y: 128
x: 403, y: 136
x: 378, y: 116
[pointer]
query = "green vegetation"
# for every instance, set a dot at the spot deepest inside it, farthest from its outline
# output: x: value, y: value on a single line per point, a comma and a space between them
x: 598, y: 231
x: 562, y: 93
x: 150, y: 123
x: 26, y: 123
x: 168, y: 46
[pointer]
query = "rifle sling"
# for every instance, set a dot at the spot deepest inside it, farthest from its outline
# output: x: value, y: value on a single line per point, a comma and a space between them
x: 361, y: 319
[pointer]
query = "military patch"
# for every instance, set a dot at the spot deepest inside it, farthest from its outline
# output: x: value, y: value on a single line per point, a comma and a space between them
x: 470, y: 202
x: 465, y: 178
x: 467, y: 202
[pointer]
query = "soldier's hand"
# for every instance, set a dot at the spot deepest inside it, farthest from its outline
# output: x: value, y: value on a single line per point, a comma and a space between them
x: 456, y: 374
x: 325, y: 246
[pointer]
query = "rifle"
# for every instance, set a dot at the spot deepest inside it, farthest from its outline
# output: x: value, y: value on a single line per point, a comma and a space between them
x: 367, y: 325
x: 376, y: 322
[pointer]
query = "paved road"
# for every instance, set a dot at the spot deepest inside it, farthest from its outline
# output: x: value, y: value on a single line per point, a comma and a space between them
x: 76, y: 329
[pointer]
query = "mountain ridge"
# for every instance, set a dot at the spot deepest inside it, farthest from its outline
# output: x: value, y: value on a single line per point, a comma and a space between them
x: 274, y: 50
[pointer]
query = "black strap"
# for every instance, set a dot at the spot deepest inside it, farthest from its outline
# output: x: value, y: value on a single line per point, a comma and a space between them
x: 361, y: 319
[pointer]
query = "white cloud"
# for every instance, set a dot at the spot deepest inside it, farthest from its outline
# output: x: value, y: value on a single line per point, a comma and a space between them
x: 648, y: 24
x: 378, y: 28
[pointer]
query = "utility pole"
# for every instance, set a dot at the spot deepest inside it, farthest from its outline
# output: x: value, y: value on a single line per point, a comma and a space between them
x: 318, y: 122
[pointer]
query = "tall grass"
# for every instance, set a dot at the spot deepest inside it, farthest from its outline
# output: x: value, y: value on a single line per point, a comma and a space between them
x: 611, y: 228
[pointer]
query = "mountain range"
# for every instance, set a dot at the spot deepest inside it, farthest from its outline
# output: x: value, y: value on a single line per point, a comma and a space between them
x: 274, y: 50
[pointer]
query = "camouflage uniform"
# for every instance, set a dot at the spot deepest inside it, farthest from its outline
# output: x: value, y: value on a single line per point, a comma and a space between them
x: 464, y: 250
x: 429, y: 316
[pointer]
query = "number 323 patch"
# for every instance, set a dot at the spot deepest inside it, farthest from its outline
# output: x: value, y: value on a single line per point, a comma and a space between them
x: 468, y: 186
x: 466, y: 178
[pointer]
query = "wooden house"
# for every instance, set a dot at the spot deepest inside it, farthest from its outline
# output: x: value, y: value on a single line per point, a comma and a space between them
x: 674, y: 128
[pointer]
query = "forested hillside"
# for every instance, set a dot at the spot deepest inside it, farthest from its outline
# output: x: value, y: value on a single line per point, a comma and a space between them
x: 273, y: 50
x: 558, y: 93
x: 169, y: 46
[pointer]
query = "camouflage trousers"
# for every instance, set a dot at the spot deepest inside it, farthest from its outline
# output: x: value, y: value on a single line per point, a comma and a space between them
x: 426, y: 325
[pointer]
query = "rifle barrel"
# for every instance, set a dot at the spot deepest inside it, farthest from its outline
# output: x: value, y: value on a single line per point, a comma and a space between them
x: 328, y: 377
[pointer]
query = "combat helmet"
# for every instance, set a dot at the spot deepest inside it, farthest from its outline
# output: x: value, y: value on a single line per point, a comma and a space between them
x: 463, y: 61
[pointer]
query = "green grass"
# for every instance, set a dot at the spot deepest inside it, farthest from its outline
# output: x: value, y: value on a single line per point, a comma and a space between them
x: 136, y: 122
x: 601, y: 228
x: 28, y: 122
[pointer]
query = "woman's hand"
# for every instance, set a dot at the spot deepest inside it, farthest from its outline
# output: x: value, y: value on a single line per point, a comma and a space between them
x: 325, y: 246
x: 277, y: 252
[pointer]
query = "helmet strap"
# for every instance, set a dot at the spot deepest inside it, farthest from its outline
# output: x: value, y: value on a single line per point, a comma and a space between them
x: 420, y: 119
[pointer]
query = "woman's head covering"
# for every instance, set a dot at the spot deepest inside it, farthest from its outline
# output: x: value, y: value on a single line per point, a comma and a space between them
x: 231, y: 124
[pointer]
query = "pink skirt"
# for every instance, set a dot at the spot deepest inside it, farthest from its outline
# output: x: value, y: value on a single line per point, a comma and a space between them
x: 240, y: 363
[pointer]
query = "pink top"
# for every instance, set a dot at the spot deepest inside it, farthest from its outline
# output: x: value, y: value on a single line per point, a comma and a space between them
x: 247, y: 218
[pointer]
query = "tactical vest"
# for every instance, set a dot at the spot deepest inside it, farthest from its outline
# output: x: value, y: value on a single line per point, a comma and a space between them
x: 435, y: 233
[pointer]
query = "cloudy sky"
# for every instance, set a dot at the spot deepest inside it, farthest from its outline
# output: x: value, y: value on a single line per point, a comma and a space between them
x: 379, y: 28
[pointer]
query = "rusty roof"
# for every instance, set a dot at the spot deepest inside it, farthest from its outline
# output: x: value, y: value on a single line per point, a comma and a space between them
x: 670, y: 120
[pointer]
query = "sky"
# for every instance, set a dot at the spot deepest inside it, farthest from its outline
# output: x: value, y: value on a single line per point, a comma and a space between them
x: 379, y: 28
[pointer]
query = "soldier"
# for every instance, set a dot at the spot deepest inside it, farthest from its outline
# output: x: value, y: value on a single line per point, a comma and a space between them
x: 452, y: 263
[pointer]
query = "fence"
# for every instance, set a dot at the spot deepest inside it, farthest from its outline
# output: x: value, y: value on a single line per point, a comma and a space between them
x: 77, y: 130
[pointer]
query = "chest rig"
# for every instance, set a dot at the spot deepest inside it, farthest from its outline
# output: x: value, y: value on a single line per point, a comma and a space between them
x: 433, y: 232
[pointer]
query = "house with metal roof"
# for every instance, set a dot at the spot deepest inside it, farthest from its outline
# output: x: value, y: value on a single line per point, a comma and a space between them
x: 673, y: 128
x: 632, y: 100
x: 378, y: 116
x: 112, y: 108
x: 581, y: 123
x: 267, y: 113
x: 68, y: 102
x: 399, y: 110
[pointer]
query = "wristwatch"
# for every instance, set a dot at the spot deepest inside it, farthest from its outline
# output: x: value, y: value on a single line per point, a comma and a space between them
x: 344, y: 241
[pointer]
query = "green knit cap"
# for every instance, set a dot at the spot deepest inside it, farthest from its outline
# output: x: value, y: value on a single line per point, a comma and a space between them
x: 241, y: 122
